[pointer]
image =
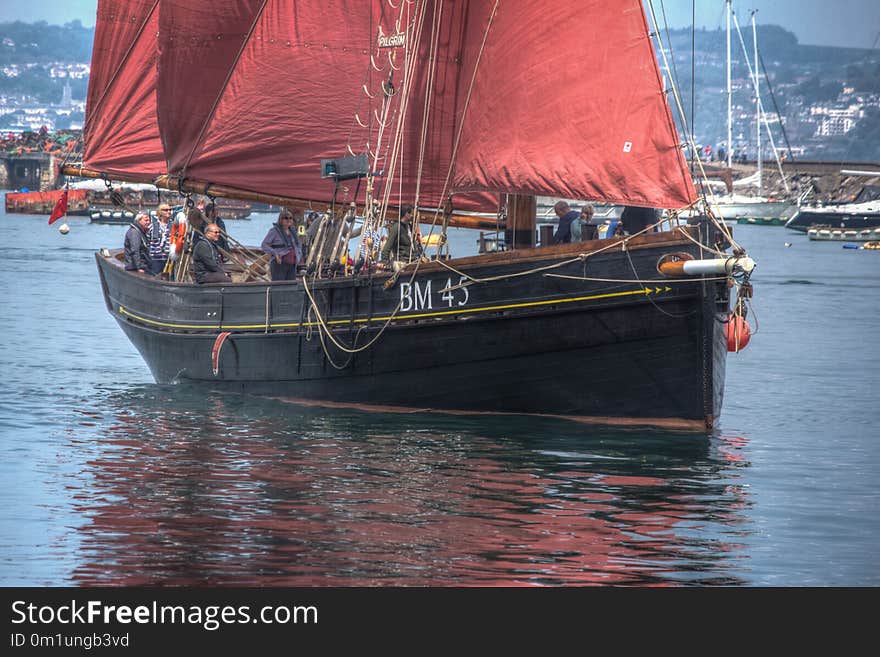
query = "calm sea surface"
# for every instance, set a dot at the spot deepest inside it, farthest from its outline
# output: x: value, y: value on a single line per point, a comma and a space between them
x: 108, y: 478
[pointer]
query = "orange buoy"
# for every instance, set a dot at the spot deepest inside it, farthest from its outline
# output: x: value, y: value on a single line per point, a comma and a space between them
x: 738, y: 333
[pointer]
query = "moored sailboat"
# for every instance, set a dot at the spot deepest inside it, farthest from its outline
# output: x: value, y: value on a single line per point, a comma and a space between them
x: 753, y: 208
x: 354, y: 108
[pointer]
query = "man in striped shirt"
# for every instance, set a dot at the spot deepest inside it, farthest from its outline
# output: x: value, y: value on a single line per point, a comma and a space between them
x: 160, y: 233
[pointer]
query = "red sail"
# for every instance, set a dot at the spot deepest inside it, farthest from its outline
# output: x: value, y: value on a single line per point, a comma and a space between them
x: 568, y: 102
x: 567, y: 98
x: 198, y: 47
x: 282, y: 87
x: 121, y: 133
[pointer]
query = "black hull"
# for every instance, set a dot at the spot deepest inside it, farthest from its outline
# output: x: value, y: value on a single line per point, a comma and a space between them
x: 607, y: 352
x: 803, y: 220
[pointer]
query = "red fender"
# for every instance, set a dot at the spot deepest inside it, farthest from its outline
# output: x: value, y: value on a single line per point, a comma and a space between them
x: 738, y: 333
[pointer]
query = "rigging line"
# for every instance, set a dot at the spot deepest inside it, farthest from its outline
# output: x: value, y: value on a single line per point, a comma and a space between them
x: 323, y: 324
x: 369, y: 212
x: 134, y: 41
x: 467, y: 102
x: 754, y: 78
x: 693, y: 74
x: 688, y: 236
x: 461, y: 120
x: 327, y: 352
x: 776, y: 107
x: 222, y: 90
x: 313, y: 303
x: 387, y: 98
x: 429, y: 95
x: 721, y: 225
x: 368, y: 76
x: 686, y: 179
x: 395, y: 155
x: 675, y: 70
x: 648, y: 296
x: 636, y: 273
x: 386, y: 108
x: 501, y: 277
x: 665, y: 281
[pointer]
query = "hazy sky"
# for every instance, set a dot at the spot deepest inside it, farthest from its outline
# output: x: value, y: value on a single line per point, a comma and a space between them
x: 854, y: 23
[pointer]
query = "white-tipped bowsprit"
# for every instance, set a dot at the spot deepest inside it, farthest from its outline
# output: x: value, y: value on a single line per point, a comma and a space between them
x: 676, y: 265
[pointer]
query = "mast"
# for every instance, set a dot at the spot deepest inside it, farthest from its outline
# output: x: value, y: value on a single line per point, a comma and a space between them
x: 757, y: 97
x: 729, y: 97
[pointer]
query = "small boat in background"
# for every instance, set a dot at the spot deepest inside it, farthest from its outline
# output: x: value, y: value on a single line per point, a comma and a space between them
x: 867, y: 246
x: 98, y: 215
x: 826, y: 233
x: 851, y: 216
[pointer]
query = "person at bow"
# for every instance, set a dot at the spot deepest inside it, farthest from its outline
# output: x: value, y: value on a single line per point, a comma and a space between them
x: 160, y: 238
x: 137, y: 245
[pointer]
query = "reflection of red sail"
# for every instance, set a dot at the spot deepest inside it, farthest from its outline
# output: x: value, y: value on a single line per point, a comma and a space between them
x: 181, y: 499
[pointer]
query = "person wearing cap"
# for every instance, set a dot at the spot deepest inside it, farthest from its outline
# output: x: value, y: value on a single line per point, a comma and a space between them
x: 137, y: 245
x: 160, y: 238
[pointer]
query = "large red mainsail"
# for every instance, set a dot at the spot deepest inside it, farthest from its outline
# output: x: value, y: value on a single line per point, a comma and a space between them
x: 121, y: 132
x: 520, y: 95
x: 568, y: 101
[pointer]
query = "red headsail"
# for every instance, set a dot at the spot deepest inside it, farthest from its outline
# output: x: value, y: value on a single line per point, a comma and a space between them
x: 121, y: 132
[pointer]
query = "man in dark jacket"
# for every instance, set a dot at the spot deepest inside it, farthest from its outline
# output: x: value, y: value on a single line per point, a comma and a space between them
x: 566, y: 216
x: 212, y: 217
x: 137, y: 245
x: 400, y: 244
x: 635, y: 220
x: 207, y: 263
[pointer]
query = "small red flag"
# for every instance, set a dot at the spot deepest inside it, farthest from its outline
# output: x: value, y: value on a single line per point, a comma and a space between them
x: 60, y: 208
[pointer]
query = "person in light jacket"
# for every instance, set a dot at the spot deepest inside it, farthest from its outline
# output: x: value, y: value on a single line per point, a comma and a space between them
x: 282, y: 243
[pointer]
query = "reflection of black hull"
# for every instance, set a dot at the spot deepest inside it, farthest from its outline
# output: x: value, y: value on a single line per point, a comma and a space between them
x: 532, y: 344
x: 804, y: 219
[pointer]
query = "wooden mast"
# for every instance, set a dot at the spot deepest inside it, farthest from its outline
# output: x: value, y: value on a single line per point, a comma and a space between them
x: 521, y: 221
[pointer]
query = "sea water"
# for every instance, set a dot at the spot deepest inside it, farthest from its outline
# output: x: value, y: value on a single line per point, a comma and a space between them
x: 110, y: 479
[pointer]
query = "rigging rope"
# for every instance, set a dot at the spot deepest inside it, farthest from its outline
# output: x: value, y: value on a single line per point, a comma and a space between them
x: 222, y: 90
x: 720, y: 224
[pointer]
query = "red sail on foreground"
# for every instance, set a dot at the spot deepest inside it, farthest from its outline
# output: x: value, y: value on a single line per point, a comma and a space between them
x: 121, y: 135
x: 368, y: 105
x: 255, y: 94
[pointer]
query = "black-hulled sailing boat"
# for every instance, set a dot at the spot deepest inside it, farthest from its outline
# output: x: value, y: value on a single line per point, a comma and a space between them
x: 459, y: 108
